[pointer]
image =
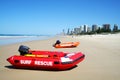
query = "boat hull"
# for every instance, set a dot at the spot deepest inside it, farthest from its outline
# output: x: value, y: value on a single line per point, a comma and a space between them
x: 50, y: 62
x: 67, y: 45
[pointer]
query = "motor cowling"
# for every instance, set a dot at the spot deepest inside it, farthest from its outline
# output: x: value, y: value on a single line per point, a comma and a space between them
x: 57, y: 42
x: 23, y: 50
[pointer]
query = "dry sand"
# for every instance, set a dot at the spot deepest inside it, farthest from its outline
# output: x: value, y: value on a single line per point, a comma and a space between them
x: 102, y: 61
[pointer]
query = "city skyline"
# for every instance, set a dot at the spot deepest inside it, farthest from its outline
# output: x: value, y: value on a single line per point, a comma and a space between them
x: 93, y: 28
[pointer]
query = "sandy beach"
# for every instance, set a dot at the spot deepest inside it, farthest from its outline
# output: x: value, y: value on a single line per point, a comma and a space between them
x: 102, y: 59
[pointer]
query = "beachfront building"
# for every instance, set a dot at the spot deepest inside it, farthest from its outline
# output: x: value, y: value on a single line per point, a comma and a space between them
x: 71, y: 32
x: 68, y: 32
x: 115, y: 28
x: 85, y: 28
x: 106, y: 27
x: 81, y: 28
x: 94, y: 28
x: 88, y: 29
x: 76, y: 30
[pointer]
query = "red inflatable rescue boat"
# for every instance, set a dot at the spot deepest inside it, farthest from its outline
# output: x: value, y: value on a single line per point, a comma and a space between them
x: 47, y: 60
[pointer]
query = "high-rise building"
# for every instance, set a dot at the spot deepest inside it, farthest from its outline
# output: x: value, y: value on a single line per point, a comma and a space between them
x: 81, y: 29
x: 68, y: 32
x: 115, y: 28
x: 85, y: 28
x: 94, y: 27
x: 76, y: 30
x: 88, y: 29
x: 106, y: 27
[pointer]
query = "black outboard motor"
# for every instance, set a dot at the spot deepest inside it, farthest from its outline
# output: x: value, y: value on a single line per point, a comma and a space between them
x: 57, y: 42
x: 23, y: 50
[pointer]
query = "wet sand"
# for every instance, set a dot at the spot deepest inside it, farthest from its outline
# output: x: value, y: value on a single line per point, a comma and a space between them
x: 102, y: 59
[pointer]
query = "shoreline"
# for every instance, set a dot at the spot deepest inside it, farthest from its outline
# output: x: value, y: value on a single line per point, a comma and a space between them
x: 102, y: 59
x: 6, y: 40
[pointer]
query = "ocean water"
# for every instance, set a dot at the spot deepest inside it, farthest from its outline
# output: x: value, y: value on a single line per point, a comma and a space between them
x: 5, y: 40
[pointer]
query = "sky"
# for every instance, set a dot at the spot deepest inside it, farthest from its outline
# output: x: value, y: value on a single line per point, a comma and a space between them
x: 50, y: 17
